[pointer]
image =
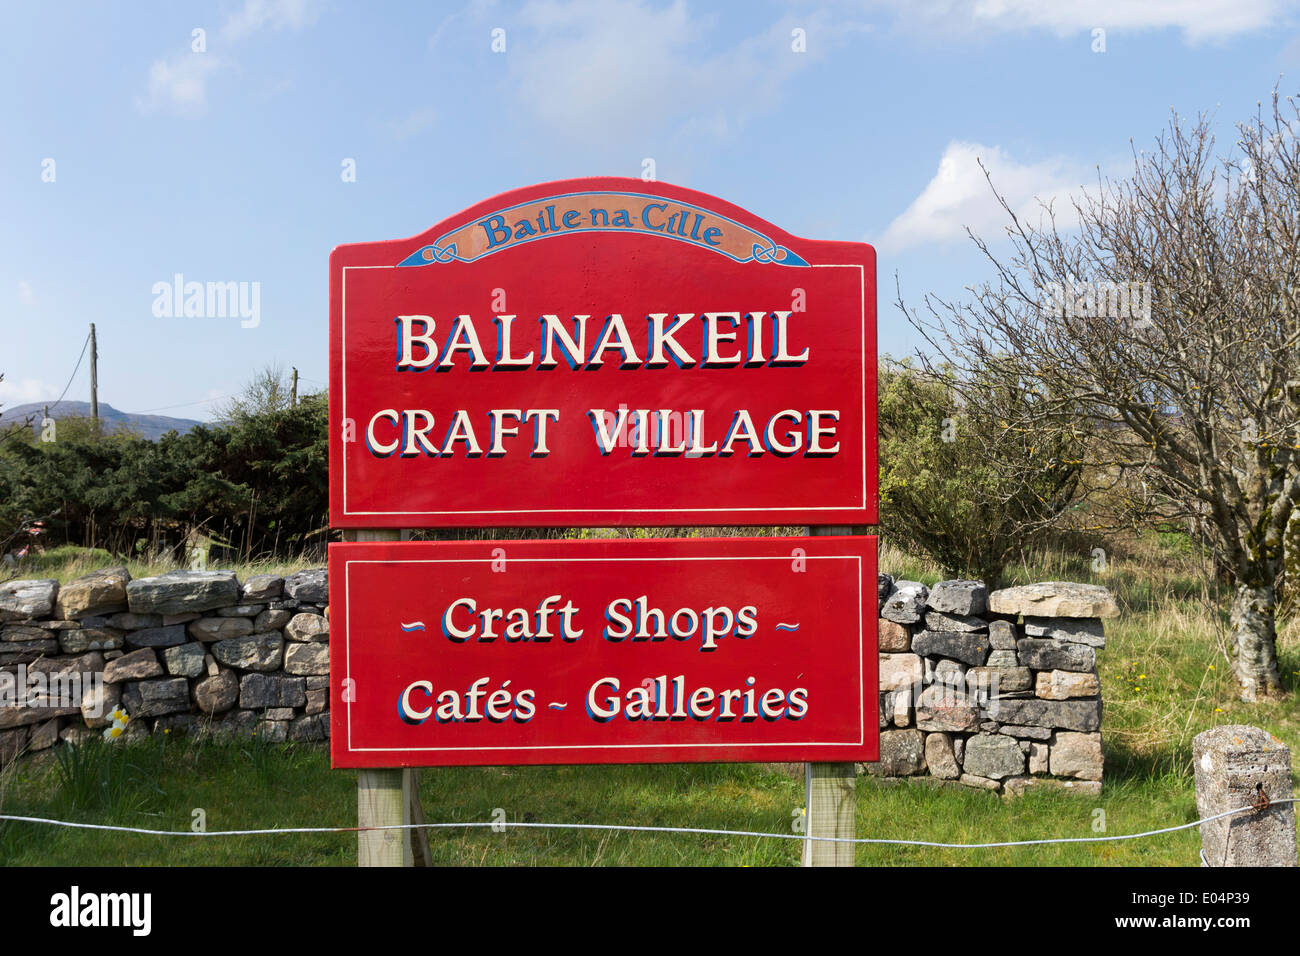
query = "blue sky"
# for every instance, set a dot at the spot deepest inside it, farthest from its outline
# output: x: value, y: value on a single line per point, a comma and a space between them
x: 225, y: 164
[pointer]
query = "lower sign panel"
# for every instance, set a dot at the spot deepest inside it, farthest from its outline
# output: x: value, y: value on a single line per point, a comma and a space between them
x: 603, y: 651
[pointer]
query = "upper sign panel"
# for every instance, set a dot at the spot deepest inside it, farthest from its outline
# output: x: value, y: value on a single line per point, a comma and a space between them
x: 602, y: 352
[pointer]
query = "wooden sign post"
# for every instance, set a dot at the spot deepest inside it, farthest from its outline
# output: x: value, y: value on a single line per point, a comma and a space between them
x: 602, y: 352
x: 384, y: 795
x: 830, y: 795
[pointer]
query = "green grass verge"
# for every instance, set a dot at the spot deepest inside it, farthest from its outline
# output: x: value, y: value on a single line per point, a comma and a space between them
x: 1165, y: 677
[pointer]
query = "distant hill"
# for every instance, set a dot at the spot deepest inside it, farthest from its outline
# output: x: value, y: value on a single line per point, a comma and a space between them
x: 151, y: 427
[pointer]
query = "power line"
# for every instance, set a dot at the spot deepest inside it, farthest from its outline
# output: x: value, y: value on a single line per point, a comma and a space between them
x: 183, y: 404
x: 74, y: 371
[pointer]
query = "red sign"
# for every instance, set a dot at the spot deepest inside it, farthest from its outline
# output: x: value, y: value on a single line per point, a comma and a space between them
x: 602, y: 352
x: 603, y: 651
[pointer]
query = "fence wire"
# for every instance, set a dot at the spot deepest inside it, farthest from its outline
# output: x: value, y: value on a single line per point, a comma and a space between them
x: 633, y: 828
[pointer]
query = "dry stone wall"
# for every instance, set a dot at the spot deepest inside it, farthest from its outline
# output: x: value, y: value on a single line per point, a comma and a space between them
x: 997, y: 691
x: 189, y: 651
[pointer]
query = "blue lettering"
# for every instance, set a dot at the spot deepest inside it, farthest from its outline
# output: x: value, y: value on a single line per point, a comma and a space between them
x: 645, y: 215
x: 496, y: 229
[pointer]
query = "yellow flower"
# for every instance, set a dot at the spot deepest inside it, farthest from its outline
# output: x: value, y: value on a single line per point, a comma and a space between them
x: 1218, y: 710
x: 1142, y: 676
x: 115, y: 732
x: 1211, y: 667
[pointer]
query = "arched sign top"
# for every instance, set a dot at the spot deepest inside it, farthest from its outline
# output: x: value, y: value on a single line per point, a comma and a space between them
x: 658, y: 214
x: 604, y: 351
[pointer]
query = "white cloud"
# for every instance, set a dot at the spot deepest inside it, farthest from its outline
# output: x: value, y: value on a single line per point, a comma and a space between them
x: 1199, y: 20
x: 412, y: 124
x: 276, y: 14
x: 24, y: 390
x: 180, y: 84
x: 601, y: 70
x: 959, y: 196
x: 26, y: 295
x: 474, y: 11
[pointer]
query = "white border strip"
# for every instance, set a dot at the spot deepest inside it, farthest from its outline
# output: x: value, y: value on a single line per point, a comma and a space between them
x: 649, y: 748
x: 862, y: 350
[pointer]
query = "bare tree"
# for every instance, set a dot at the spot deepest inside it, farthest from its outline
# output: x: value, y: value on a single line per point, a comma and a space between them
x: 1168, y: 321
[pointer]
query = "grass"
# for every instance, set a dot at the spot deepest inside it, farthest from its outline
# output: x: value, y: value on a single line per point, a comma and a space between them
x: 1165, y: 677
x: 69, y: 562
x: 168, y: 781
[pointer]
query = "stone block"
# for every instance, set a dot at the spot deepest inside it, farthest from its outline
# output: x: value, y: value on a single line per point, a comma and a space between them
x: 172, y: 636
x: 969, y: 648
x: 219, y: 628
x: 308, y: 627
x: 261, y: 588
x: 100, y: 592
x: 894, y: 638
x: 309, y: 586
x: 1235, y: 764
x: 993, y: 756
x: 1055, y: 599
x: 941, y: 708
x: 902, y: 754
x: 906, y: 603
x: 126, y: 621
x: 217, y: 693
x: 256, y: 652
x: 938, y: 621
x: 28, y: 599
x: 899, y: 670
x: 183, y: 592
x: 262, y: 691
x: 185, y: 660
x: 1065, y: 685
x: 153, y: 698
x: 137, y: 665
x: 939, y: 757
x: 990, y: 682
x: 241, y: 610
x: 310, y: 727
x: 1079, y: 715
x: 959, y: 597
x: 1002, y: 635
x: 272, y: 620
x: 1044, y: 654
x: 98, y: 701
x: 1076, y: 755
x: 82, y: 639
x: 304, y: 659
x: 1075, y: 630
x: 1038, y: 757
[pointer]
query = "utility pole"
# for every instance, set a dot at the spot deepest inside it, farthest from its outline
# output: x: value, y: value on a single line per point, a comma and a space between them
x: 293, y: 394
x: 94, y: 379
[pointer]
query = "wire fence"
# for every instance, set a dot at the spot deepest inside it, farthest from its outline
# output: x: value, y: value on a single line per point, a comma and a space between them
x: 500, y: 826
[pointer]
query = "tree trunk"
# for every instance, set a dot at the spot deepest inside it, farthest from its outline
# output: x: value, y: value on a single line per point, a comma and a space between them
x: 1255, y: 635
